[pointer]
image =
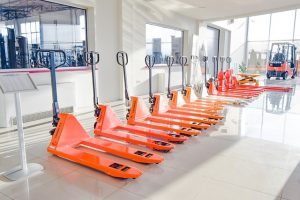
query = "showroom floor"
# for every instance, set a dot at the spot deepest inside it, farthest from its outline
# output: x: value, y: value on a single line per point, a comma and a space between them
x: 254, y: 155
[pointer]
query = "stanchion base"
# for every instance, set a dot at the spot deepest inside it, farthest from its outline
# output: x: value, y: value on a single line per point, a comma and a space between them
x: 18, y: 173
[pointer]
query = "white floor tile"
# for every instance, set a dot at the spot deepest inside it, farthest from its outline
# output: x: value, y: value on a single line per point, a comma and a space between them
x: 122, y: 194
x: 2, y: 197
x: 71, y: 186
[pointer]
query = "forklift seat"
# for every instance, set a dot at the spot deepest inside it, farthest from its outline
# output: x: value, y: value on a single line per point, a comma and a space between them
x: 279, y: 57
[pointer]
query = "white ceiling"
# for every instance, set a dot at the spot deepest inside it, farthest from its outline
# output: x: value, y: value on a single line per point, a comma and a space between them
x: 224, y: 9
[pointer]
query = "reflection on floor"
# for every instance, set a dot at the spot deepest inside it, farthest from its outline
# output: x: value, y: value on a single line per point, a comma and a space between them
x: 253, y: 155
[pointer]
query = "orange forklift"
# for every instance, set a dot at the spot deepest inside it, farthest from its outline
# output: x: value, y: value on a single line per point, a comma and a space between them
x: 282, y: 61
x: 71, y: 142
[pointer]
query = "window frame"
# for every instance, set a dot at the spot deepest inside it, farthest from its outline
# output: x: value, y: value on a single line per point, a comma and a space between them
x: 166, y: 27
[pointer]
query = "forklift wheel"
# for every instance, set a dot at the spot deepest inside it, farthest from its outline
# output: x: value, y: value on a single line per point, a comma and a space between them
x: 285, y: 75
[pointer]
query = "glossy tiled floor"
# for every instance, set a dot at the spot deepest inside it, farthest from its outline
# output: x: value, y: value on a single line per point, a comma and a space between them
x: 253, y: 155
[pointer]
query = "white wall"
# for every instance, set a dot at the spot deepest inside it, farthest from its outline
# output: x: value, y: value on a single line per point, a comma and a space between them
x: 112, y: 26
x: 136, y: 14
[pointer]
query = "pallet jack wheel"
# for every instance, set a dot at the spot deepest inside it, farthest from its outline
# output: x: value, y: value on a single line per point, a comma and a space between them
x: 162, y: 151
x: 187, y: 135
x: 178, y: 142
x: 52, y: 132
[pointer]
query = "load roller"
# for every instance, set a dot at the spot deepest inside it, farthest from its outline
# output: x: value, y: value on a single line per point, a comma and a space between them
x: 109, y: 126
x: 68, y: 135
x: 139, y: 115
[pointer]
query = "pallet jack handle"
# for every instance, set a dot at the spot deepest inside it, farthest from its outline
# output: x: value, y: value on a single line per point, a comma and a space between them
x: 92, y: 58
x: 170, y: 61
x: 46, y: 59
x: 183, y: 60
x: 215, y: 62
x: 228, y: 61
x: 150, y: 61
x: 122, y: 60
x: 205, y: 59
x: 222, y: 60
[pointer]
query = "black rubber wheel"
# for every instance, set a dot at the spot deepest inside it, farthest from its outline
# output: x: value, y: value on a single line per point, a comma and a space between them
x: 187, y: 135
x: 178, y: 142
x: 52, y: 131
x: 163, y: 151
x: 268, y: 76
x: 95, y: 124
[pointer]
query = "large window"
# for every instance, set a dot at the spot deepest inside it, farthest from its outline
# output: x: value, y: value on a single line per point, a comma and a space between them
x: 29, y: 25
x: 162, y: 42
x: 297, y: 27
x: 259, y: 28
x: 282, y: 26
x: 263, y: 30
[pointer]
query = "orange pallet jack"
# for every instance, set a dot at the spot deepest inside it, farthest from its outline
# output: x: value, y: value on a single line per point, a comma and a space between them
x: 139, y: 115
x: 177, y: 105
x: 177, y: 98
x: 212, y: 89
x: 160, y: 110
x: 109, y: 126
x: 68, y: 135
x: 174, y: 107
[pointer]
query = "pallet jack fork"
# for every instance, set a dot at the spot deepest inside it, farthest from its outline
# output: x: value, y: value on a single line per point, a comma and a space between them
x: 68, y: 135
x: 160, y: 108
x: 107, y: 124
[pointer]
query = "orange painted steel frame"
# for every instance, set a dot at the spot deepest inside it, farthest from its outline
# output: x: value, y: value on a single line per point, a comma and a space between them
x: 161, y: 111
x: 139, y: 115
x: 108, y: 122
x: 69, y: 135
x: 200, y: 106
x: 189, y: 99
x: 214, y: 92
